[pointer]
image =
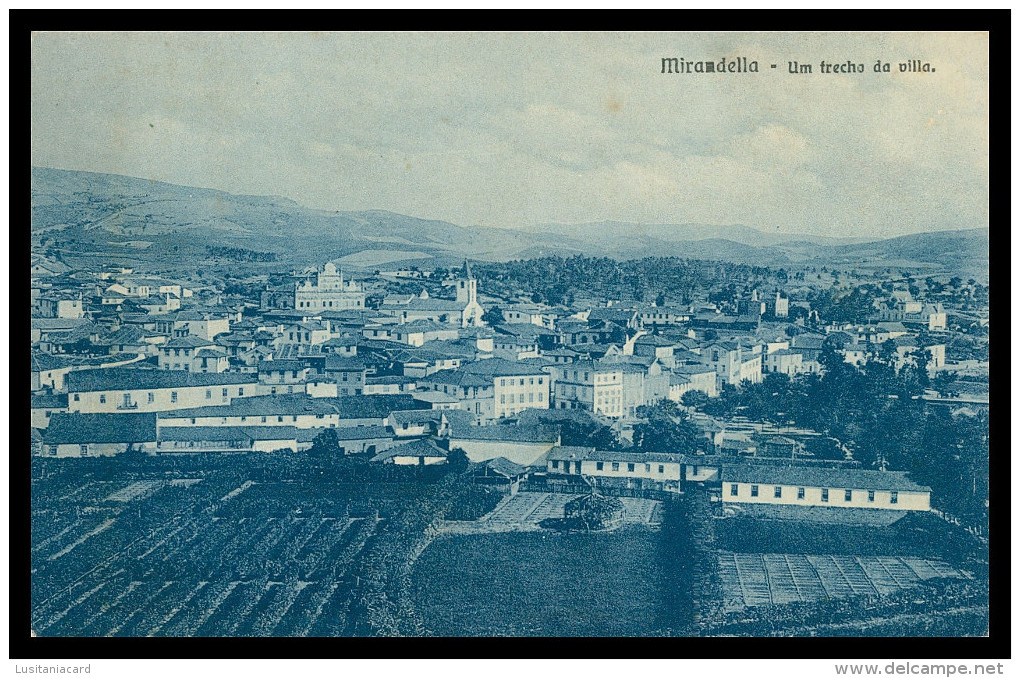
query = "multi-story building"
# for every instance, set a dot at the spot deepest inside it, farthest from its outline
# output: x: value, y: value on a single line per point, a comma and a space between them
x: 785, y: 361
x: 590, y: 385
x: 733, y: 362
x: 515, y: 386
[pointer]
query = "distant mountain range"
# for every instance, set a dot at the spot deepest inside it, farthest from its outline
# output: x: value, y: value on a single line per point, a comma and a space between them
x: 123, y: 216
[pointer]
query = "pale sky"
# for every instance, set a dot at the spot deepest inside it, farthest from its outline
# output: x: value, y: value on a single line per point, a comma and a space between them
x: 517, y: 129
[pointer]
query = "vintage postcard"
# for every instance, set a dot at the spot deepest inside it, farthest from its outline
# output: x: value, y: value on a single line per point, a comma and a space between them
x: 559, y: 334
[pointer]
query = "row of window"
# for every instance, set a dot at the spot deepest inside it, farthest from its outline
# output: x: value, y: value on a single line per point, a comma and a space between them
x: 279, y: 419
x: 151, y: 397
x: 520, y: 398
x: 848, y: 495
x: 601, y: 466
x: 531, y: 381
x: 325, y: 304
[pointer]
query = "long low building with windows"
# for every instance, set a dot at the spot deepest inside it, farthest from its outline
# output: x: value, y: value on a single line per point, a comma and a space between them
x: 637, y: 470
x: 128, y: 390
x: 299, y: 411
x: 809, y: 486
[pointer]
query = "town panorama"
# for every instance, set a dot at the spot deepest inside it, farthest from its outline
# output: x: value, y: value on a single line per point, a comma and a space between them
x: 290, y: 440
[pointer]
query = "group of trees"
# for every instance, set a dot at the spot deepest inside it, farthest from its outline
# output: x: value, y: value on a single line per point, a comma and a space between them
x: 556, y: 280
x: 240, y: 254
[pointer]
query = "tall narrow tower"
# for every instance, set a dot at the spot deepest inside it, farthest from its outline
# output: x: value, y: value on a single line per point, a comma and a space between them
x: 467, y: 287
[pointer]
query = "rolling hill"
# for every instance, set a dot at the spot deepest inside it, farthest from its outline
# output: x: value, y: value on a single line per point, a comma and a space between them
x: 88, y: 214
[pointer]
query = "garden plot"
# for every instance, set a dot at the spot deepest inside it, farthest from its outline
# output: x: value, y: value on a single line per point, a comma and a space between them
x: 750, y: 579
x: 525, y: 511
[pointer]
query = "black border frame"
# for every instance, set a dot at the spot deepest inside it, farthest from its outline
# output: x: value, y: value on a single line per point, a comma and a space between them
x: 996, y: 645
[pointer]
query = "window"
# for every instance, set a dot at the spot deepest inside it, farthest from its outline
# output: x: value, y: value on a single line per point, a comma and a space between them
x: 894, y: 497
x: 502, y: 398
x: 662, y: 469
x: 800, y: 493
x: 151, y: 397
x: 599, y: 465
x: 555, y: 464
x: 540, y: 398
x: 733, y: 490
x: 279, y: 419
x: 240, y: 391
x: 53, y: 450
x: 825, y: 494
x: 84, y: 449
x: 173, y: 396
x: 648, y: 468
x: 848, y: 495
x: 694, y: 470
x: 577, y: 466
x: 616, y: 466
x: 102, y: 398
x: 754, y: 490
x: 208, y: 394
x: 263, y: 420
x: 630, y: 468
x: 540, y: 381
x: 77, y: 397
x: 224, y: 393
x: 871, y: 495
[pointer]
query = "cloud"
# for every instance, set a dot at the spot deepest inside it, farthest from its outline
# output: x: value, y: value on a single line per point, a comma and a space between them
x: 511, y: 129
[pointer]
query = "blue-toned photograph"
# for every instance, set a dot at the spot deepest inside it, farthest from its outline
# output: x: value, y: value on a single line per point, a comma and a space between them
x: 559, y: 334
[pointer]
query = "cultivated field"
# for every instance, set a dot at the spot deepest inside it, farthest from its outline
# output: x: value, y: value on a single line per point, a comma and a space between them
x: 218, y: 555
x: 750, y: 579
x: 526, y: 510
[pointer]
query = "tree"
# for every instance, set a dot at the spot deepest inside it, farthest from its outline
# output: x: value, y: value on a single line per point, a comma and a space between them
x: 944, y: 382
x: 493, y: 316
x: 668, y: 429
x: 458, y: 460
x: 326, y: 445
x: 588, y: 434
x: 694, y: 399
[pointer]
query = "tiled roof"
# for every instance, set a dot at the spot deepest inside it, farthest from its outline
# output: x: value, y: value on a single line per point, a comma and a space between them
x: 425, y: 447
x: 591, y: 454
x: 864, y: 479
x: 256, y: 406
x: 76, y: 428
x: 127, y: 379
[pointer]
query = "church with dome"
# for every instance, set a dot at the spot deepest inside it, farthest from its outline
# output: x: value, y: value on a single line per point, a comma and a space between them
x: 329, y: 292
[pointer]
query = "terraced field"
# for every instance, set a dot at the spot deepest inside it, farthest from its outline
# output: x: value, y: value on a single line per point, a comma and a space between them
x: 750, y: 579
x: 221, y: 556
